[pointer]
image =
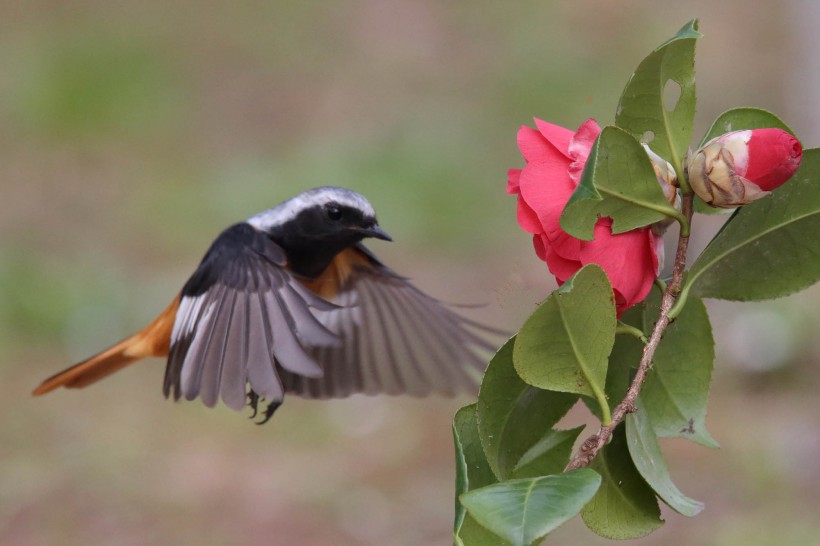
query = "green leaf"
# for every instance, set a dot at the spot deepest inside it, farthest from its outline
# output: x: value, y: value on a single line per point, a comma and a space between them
x: 646, y: 454
x: 472, y: 472
x: 474, y: 534
x: 564, y: 345
x: 549, y: 455
x: 737, y: 119
x: 523, y: 511
x: 472, y: 469
x: 741, y: 119
x: 623, y: 361
x: 642, y: 111
x: 625, y: 506
x: 768, y: 249
x: 618, y: 182
x: 676, y: 390
x: 512, y: 415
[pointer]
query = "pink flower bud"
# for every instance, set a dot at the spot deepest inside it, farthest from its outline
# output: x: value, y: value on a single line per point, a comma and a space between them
x: 739, y: 167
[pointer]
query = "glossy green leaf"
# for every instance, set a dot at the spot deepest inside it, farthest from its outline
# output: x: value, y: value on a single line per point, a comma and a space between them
x: 618, y: 182
x: 625, y: 506
x: 549, y: 455
x: 474, y: 534
x: 737, y: 119
x: 648, y: 459
x: 623, y: 361
x: 676, y: 389
x: 741, y: 119
x: 564, y: 345
x: 667, y: 73
x: 523, y: 511
x: 513, y: 416
x: 769, y: 248
x: 472, y: 472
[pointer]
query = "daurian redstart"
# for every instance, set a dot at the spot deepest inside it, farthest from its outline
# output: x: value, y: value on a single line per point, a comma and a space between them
x: 291, y: 301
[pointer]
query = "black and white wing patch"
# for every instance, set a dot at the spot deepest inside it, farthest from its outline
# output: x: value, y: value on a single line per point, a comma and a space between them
x: 239, y: 313
x: 395, y: 338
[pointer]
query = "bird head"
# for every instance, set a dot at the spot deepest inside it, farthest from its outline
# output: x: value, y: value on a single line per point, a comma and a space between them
x: 320, y: 222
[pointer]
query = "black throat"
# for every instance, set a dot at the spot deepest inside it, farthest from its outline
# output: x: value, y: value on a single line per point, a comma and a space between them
x: 310, y: 256
x: 311, y: 260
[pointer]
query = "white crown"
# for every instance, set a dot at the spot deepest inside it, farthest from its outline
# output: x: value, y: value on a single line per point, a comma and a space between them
x: 317, y: 197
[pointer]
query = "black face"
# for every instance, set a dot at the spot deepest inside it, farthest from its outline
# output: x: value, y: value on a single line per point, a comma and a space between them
x: 318, y: 233
x: 343, y: 221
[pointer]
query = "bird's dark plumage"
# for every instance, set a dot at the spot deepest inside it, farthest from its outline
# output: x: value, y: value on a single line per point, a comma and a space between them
x: 291, y: 301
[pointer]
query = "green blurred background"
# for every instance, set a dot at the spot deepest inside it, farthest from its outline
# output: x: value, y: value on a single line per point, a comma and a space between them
x: 132, y: 133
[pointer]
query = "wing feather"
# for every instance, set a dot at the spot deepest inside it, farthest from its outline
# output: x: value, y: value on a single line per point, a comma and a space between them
x: 385, y: 361
x: 215, y: 357
x: 261, y: 374
x: 423, y: 373
x: 394, y: 337
x: 235, y: 360
x: 242, y: 316
x: 196, y: 357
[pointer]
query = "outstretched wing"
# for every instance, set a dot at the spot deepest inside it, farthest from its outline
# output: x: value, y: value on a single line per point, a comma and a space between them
x: 239, y: 313
x: 395, y: 339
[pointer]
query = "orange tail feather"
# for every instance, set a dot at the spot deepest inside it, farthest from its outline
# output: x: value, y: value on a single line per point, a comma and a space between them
x: 153, y: 340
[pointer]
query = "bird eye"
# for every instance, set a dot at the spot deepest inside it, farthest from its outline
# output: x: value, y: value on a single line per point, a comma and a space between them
x: 334, y: 212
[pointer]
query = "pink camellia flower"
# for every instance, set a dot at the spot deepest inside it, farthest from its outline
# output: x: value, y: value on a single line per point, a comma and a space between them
x: 742, y: 166
x: 555, y: 160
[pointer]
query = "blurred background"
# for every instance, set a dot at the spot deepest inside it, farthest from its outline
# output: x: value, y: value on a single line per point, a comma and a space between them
x: 131, y: 133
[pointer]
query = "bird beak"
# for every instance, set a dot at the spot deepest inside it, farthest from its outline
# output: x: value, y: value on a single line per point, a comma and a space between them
x: 377, y: 232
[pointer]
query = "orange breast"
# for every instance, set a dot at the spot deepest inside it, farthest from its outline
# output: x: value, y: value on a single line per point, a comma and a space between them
x: 336, y: 275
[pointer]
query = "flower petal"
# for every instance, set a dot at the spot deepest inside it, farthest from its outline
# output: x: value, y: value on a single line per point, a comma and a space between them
x: 774, y: 156
x: 532, y: 145
x: 583, y: 139
x: 562, y: 242
x: 527, y: 218
x: 538, y: 245
x: 580, y: 146
x: 628, y: 259
x: 512, y: 180
x: 556, y: 135
x: 546, y: 188
x: 561, y: 268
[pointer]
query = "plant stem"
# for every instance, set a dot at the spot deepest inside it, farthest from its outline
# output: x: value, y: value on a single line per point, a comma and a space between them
x: 592, y: 445
x: 661, y: 284
x: 623, y: 328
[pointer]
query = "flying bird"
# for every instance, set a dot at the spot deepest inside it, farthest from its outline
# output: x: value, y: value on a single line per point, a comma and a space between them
x: 291, y: 301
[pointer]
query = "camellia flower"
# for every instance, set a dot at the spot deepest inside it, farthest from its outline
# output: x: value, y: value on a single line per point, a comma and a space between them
x: 555, y: 159
x: 739, y: 167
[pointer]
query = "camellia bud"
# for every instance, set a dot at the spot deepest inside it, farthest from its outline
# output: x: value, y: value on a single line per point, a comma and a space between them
x: 667, y: 178
x: 665, y: 173
x: 739, y: 167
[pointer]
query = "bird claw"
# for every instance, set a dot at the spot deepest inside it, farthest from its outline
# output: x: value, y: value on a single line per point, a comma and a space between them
x: 269, y: 411
x: 253, y: 402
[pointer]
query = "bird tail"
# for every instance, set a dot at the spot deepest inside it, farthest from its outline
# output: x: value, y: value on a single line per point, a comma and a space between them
x: 153, y: 340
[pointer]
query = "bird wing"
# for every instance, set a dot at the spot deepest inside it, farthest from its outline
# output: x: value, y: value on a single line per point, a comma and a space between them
x: 394, y: 338
x: 240, y: 310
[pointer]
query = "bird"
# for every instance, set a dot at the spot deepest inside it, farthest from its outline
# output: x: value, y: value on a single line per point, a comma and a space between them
x: 290, y: 301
